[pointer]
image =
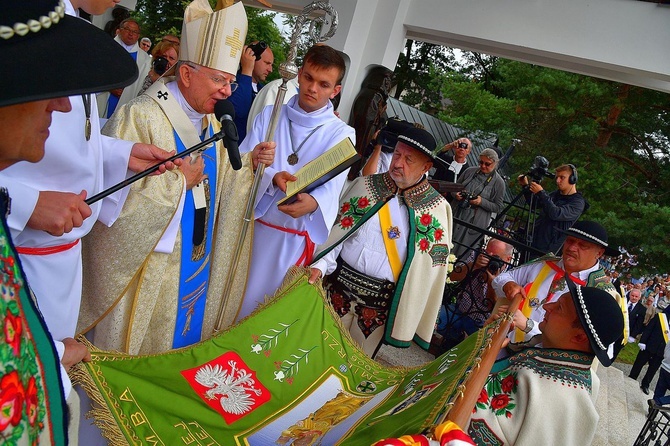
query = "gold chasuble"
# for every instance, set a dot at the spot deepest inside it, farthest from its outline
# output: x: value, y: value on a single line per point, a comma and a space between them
x: 131, y: 288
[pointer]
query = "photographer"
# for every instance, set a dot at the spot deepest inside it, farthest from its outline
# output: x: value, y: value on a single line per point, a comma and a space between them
x: 454, y: 156
x: 482, y: 196
x: 164, y: 55
x: 476, y: 298
x: 255, y: 66
x: 383, y: 145
x: 559, y: 209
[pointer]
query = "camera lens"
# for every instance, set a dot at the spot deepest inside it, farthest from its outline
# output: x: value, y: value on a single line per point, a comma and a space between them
x: 160, y: 65
x: 462, y: 145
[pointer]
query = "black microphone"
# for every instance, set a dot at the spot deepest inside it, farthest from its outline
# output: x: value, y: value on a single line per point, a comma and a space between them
x: 225, y: 113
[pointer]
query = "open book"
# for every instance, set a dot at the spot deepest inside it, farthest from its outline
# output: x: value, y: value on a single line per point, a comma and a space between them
x: 321, y: 169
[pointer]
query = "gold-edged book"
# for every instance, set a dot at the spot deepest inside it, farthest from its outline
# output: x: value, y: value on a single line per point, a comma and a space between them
x: 321, y: 169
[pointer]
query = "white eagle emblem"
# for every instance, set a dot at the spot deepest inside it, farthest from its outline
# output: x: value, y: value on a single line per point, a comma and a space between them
x: 232, y: 385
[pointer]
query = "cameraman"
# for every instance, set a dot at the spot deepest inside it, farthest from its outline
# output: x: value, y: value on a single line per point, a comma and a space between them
x: 476, y: 298
x: 454, y: 162
x: 482, y: 195
x: 559, y: 209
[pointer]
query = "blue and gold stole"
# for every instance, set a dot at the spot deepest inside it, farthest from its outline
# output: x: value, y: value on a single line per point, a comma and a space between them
x: 196, y: 244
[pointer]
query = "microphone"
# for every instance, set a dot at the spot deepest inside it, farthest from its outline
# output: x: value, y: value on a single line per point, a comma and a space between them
x: 225, y: 113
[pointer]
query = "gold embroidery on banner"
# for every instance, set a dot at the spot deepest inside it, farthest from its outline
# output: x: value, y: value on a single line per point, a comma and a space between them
x: 196, y: 434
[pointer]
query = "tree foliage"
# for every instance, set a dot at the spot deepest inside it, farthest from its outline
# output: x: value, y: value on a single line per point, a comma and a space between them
x: 616, y: 134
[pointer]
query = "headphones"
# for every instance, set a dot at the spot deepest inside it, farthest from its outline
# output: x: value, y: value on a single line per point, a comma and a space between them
x: 572, y: 179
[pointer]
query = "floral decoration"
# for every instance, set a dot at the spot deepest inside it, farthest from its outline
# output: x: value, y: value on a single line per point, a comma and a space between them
x: 22, y: 406
x: 498, y: 394
x: 352, y: 211
x: 429, y: 231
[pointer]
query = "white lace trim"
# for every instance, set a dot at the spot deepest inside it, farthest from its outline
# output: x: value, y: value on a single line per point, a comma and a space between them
x: 33, y: 25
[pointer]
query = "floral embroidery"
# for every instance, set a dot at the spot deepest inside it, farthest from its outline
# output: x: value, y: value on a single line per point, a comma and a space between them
x: 497, y: 394
x: 22, y: 406
x: 428, y: 231
x: 352, y: 211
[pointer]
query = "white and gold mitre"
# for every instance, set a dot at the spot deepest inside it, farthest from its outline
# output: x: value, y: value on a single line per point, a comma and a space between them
x: 211, y: 38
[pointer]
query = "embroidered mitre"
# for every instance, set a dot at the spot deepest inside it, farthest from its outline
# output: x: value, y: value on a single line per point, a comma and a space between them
x: 214, y: 39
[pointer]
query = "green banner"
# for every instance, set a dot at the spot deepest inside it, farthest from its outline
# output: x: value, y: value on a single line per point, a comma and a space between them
x: 286, y: 375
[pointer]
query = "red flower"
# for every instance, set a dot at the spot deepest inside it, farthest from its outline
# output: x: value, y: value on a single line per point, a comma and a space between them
x: 500, y: 401
x: 363, y: 202
x: 13, y: 330
x: 438, y: 234
x: 267, y: 353
x: 426, y: 219
x: 508, y: 384
x: 278, y: 365
x: 508, y: 414
x: 254, y: 338
x: 345, y: 208
x: 31, y: 401
x: 483, y: 397
x: 424, y: 245
x: 347, y: 222
x: 11, y: 400
x: 289, y: 380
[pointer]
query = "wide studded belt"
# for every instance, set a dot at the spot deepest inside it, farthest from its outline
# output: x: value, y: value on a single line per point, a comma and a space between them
x: 373, y: 292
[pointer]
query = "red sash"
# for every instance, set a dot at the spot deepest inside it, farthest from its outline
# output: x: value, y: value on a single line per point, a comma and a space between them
x: 308, y: 254
x: 47, y: 250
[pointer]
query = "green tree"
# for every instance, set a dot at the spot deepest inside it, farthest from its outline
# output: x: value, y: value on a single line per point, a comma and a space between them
x: 616, y: 134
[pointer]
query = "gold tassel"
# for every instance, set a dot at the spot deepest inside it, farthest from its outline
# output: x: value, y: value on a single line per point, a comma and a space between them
x: 81, y: 374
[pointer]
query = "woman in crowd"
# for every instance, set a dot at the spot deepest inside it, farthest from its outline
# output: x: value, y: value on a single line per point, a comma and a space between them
x: 165, y: 54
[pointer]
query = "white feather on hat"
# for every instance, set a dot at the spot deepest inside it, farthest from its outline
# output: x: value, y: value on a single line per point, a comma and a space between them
x: 214, y: 39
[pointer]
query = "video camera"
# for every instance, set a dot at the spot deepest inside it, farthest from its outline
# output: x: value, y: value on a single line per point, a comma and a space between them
x: 539, y: 169
x: 388, y: 135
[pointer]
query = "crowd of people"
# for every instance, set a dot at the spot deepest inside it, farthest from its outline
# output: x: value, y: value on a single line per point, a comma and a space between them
x: 143, y: 270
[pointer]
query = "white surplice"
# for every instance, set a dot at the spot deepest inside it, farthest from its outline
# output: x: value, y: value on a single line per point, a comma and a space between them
x: 70, y: 164
x: 275, y: 251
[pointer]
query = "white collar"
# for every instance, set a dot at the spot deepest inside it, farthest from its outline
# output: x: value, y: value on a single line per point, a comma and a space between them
x: 130, y: 48
x: 193, y: 116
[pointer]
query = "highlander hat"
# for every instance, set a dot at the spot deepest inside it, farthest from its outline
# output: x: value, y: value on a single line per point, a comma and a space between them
x: 418, y: 139
x: 602, y: 320
x: 47, y: 54
x: 214, y: 39
x: 591, y: 232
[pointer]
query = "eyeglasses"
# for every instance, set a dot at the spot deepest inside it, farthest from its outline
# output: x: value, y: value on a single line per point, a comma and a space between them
x: 484, y: 163
x: 220, y: 82
x: 132, y: 31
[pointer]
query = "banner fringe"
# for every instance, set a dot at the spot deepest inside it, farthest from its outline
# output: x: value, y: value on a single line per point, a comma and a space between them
x: 80, y: 374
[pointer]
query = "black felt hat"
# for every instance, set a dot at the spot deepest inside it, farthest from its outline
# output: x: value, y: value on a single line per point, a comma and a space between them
x: 46, y: 54
x: 592, y: 232
x: 602, y: 320
x: 419, y: 139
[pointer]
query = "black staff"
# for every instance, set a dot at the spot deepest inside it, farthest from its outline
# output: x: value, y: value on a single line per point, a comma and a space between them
x: 216, y: 137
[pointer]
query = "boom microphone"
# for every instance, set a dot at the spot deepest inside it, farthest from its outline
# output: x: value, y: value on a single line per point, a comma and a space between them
x: 225, y: 113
